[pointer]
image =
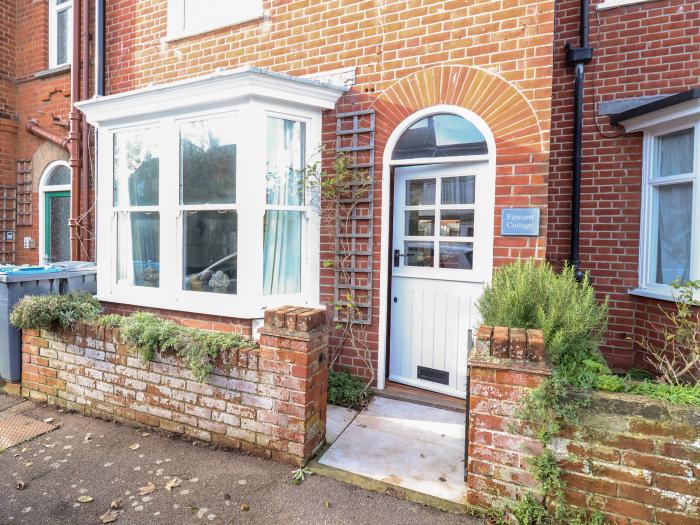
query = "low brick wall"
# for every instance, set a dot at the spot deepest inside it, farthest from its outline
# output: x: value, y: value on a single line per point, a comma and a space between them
x: 635, y: 459
x: 270, y: 401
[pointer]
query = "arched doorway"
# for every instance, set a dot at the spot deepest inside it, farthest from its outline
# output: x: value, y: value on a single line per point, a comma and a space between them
x: 442, y: 186
x: 54, y: 213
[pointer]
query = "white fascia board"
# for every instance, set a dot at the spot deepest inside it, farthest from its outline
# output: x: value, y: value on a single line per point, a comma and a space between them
x: 216, y: 89
x: 689, y: 110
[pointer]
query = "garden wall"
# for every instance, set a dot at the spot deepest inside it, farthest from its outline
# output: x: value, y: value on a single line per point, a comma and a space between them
x: 270, y: 401
x: 635, y: 459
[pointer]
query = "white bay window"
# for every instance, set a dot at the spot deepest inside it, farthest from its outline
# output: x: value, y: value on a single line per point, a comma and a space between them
x: 202, y: 204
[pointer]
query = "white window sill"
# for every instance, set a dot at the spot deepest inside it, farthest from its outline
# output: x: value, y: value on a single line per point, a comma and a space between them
x: 610, y: 4
x: 652, y: 294
x: 181, y: 35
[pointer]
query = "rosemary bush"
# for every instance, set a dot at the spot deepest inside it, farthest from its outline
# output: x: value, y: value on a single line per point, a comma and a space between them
x: 54, y: 311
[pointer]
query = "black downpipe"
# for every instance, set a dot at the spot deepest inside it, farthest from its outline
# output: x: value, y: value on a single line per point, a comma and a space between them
x: 99, y: 47
x: 578, y: 56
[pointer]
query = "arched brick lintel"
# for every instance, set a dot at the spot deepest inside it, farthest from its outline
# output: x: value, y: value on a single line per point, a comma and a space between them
x: 508, y: 113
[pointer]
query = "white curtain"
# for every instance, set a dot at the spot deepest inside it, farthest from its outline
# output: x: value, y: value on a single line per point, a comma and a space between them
x: 282, y: 229
x: 675, y: 226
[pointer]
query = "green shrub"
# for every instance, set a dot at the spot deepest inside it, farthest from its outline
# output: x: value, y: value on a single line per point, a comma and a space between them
x: 110, y: 320
x: 347, y: 391
x: 674, y: 394
x: 527, y: 294
x: 149, y: 334
x: 54, y: 311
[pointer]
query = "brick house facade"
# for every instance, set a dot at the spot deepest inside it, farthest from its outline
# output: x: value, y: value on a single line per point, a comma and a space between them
x: 498, y: 65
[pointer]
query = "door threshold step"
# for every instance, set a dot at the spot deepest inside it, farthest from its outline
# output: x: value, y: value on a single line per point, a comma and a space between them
x: 419, y: 396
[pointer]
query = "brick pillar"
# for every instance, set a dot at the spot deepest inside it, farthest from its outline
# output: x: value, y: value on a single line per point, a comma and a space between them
x: 293, y: 344
x: 505, y: 365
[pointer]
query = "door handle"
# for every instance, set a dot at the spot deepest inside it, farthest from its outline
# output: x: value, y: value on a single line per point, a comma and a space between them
x: 397, y: 258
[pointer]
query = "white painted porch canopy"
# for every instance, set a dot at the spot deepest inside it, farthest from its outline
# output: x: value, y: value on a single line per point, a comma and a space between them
x: 201, y: 205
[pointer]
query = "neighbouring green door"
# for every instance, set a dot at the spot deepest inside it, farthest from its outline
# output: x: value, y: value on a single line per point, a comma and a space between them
x: 56, y: 226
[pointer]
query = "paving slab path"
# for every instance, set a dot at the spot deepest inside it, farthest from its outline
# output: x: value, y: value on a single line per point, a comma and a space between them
x: 72, y: 474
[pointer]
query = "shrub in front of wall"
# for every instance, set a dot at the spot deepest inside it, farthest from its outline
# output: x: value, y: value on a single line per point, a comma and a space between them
x: 528, y: 294
x: 347, y: 391
x: 149, y: 333
x: 54, y: 311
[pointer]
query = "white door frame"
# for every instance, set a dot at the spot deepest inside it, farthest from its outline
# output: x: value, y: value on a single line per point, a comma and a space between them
x: 387, y: 165
x: 43, y: 190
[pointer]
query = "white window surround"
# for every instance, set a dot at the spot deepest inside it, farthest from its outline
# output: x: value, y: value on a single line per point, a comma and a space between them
x: 54, y: 10
x: 610, y: 4
x: 679, y: 117
x: 252, y: 95
x: 193, y: 17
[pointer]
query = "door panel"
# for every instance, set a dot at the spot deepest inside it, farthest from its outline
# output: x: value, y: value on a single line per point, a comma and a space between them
x: 57, y: 229
x: 442, y: 255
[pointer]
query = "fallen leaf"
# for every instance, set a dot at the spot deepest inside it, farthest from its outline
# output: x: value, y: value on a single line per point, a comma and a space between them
x: 20, y: 485
x: 145, y: 434
x: 245, y: 507
x: 48, y: 420
x: 88, y: 437
x: 147, y: 489
x: 84, y: 499
x: 117, y: 503
x: 109, y: 517
x: 326, y: 504
x: 28, y: 464
x: 135, y: 446
x: 170, y: 485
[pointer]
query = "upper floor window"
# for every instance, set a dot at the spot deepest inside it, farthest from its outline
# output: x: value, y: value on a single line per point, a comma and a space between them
x: 191, y: 17
x: 60, y: 30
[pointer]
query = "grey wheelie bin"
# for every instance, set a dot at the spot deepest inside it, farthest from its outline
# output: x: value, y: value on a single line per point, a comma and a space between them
x: 15, y: 283
x: 80, y: 275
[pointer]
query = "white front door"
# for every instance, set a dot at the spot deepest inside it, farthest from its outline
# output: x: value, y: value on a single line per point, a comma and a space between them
x: 442, y: 253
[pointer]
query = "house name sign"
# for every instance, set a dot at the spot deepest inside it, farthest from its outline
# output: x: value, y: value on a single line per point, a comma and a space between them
x: 523, y: 222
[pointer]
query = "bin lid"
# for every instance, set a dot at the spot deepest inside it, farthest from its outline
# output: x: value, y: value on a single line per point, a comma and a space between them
x: 76, y: 266
x: 29, y: 272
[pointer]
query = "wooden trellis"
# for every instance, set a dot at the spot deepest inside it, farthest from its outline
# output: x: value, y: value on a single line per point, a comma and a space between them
x: 8, y: 223
x: 24, y: 192
x: 354, y: 216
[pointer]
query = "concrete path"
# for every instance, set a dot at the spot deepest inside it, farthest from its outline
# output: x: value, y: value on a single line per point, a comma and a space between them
x: 407, y: 445
x: 96, y: 460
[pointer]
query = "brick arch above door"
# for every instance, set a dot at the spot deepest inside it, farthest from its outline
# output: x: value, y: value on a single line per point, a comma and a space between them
x: 508, y: 113
x: 521, y: 138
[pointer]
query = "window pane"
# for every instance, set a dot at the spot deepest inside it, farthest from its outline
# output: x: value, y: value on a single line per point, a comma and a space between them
x: 675, y: 204
x: 282, y: 252
x: 457, y: 190
x: 285, y: 161
x: 58, y: 175
x: 138, y: 248
x: 419, y: 253
x: 457, y: 223
x: 62, y: 36
x: 456, y: 255
x: 211, y: 260
x: 208, y: 162
x: 136, y: 168
x: 675, y: 153
x: 420, y: 222
x: 420, y: 192
x: 443, y: 135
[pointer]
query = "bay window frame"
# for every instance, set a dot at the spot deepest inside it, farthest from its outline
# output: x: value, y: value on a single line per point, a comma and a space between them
x: 251, y: 94
x: 648, y: 245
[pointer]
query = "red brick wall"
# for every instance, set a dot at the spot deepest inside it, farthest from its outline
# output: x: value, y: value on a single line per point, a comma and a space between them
x: 640, y: 50
x: 407, y: 55
x: 270, y: 401
x: 634, y: 459
x: 8, y: 92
